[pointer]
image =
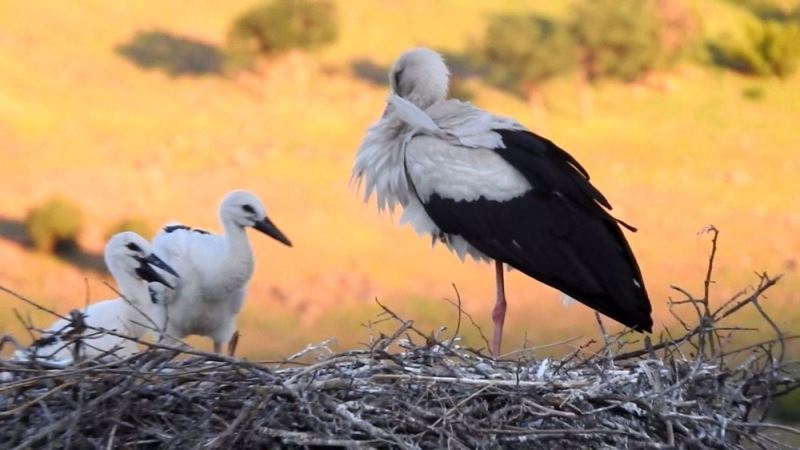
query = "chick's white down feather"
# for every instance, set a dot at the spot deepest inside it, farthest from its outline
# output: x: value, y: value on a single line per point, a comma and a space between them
x: 214, y: 272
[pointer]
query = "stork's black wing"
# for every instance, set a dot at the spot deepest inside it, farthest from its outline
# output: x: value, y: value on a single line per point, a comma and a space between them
x: 558, y: 232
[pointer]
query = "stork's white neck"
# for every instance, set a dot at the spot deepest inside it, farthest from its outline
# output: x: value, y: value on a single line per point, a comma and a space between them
x: 134, y: 290
x: 424, y: 95
x: 238, y: 259
x: 131, y: 286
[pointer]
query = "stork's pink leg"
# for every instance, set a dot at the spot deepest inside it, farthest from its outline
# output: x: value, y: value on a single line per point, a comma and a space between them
x: 499, y: 312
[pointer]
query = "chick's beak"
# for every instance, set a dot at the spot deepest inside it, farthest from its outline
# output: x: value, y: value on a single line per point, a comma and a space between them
x: 267, y: 227
x: 148, y: 273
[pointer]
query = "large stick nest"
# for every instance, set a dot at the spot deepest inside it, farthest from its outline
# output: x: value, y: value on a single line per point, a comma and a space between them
x: 417, y: 390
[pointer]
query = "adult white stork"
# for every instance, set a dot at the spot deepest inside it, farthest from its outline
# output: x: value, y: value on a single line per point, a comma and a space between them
x: 130, y: 260
x: 214, y: 271
x: 487, y: 187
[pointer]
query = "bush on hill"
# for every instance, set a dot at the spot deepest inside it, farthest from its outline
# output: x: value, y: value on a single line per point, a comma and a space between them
x: 767, y: 48
x: 279, y: 25
x: 618, y: 38
x: 521, y: 52
x: 773, y: 9
x: 54, y: 226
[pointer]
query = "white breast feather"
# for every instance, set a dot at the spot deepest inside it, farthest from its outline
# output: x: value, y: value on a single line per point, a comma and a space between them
x: 379, y: 164
x: 460, y: 173
x: 414, y: 214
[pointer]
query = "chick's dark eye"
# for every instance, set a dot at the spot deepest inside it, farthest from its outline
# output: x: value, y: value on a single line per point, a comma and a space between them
x: 397, y: 79
x: 134, y: 247
x: 248, y: 209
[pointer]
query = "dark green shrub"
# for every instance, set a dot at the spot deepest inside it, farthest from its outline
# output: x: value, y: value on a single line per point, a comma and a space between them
x: 772, y: 9
x: 787, y: 408
x: 767, y: 48
x: 279, y: 25
x: 618, y: 38
x: 521, y: 52
x: 138, y: 226
x: 174, y: 54
x: 754, y: 93
x: 54, y: 226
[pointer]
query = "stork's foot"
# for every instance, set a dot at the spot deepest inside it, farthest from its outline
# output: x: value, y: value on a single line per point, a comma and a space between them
x: 217, y: 347
x: 498, y: 318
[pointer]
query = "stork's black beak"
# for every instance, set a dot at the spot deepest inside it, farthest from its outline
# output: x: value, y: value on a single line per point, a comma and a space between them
x: 153, y: 294
x: 158, y: 262
x: 267, y: 227
x: 148, y: 273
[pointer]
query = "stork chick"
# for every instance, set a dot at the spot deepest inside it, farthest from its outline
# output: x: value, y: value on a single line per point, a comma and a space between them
x: 214, y: 271
x: 131, y: 261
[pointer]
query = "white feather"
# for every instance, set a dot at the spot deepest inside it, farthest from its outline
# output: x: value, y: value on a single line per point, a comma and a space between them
x: 412, y: 115
x: 414, y: 214
x: 214, y: 273
x: 565, y: 299
x: 379, y: 164
x: 459, y: 173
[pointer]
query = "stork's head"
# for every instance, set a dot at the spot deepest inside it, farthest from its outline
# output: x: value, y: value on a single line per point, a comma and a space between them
x: 244, y: 209
x: 130, y: 254
x: 420, y: 76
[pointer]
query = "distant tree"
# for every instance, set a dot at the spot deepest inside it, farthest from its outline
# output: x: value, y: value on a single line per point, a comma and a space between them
x: 137, y: 225
x: 54, y: 226
x: 618, y: 38
x: 767, y: 48
x: 279, y: 25
x: 522, y: 52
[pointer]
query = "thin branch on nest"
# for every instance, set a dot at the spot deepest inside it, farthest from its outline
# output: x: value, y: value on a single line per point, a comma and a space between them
x: 409, y: 389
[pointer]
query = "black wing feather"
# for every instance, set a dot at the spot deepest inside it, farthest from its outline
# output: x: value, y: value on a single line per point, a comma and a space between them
x: 545, y: 164
x: 172, y: 228
x: 557, y: 233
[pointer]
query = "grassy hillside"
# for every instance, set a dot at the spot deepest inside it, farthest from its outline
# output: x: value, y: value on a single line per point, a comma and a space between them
x: 80, y: 118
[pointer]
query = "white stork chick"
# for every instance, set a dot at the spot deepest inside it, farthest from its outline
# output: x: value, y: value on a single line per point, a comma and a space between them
x: 487, y: 187
x: 214, y: 271
x: 130, y: 260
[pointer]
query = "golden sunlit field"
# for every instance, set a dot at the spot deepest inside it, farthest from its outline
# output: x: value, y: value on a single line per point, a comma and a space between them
x: 80, y: 118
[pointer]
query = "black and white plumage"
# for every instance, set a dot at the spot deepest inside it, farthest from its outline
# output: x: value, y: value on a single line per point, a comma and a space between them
x: 487, y: 187
x: 131, y: 261
x: 214, y: 271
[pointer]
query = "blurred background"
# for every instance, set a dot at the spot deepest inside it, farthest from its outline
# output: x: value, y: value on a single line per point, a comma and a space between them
x: 128, y: 115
